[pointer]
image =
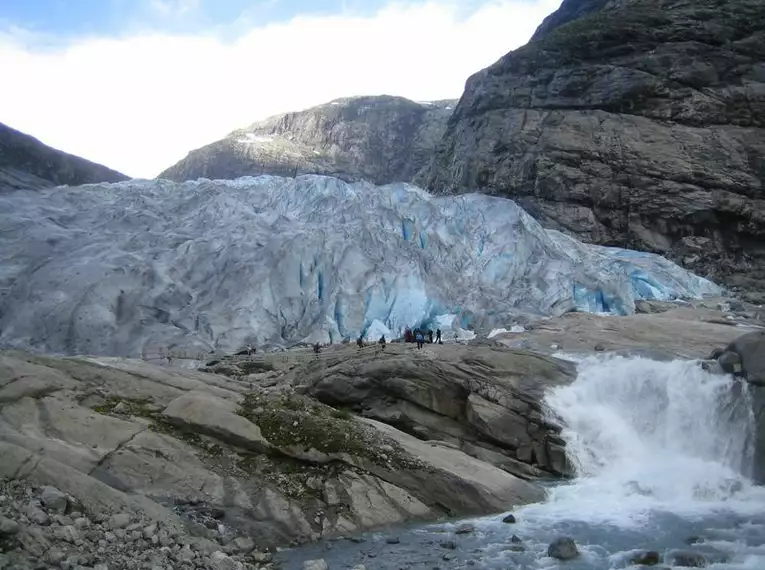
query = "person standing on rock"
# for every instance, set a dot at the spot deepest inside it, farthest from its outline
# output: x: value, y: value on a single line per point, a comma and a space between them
x: 360, y: 341
x: 438, y: 336
x: 382, y: 342
x: 430, y: 336
x: 420, y: 338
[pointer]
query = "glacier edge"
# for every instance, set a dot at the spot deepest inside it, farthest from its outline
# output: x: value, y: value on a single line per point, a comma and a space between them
x: 124, y: 268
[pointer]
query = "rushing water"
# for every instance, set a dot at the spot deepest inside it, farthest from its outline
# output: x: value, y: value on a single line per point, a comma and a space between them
x: 662, y: 452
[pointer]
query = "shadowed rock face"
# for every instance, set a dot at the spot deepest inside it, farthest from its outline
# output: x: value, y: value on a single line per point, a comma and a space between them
x: 745, y: 358
x: 26, y: 163
x: 635, y: 123
x: 381, y: 139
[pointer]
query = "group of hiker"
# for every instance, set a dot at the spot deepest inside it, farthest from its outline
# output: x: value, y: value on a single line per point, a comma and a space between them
x: 418, y: 336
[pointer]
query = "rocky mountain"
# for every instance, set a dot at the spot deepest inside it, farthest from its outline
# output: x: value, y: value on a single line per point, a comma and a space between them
x: 26, y: 163
x: 380, y: 139
x: 634, y: 123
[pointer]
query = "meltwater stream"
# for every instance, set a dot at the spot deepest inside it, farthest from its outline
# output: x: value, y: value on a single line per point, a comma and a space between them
x: 662, y: 452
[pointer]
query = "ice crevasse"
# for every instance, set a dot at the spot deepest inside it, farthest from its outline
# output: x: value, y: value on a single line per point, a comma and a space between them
x: 119, y: 268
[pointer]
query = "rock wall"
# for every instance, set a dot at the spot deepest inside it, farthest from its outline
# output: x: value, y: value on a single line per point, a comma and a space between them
x: 26, y: 163
x: 380, y: 139
x: 639, y: 124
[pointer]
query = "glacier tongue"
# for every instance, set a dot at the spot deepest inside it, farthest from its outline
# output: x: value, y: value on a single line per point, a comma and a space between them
x: 127, y: 267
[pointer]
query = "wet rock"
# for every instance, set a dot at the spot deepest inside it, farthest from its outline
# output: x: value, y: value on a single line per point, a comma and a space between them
x: 120, y: 520
x: 687, y: 559
x: 37, y: 515
x: 465, y: 529
x: 599, y: 347
x: 449, y: 544
x: 8, y: 527
x: 515, y: 548
x: 393, y: 540
x: 185, y: 554
x: 221, y: 561
x: 730, y: 362
x: 54, y: 500
x: 509, y: 519
x: 563, y: 548
x: 243, y: 544
x: 715, y: 354
x: 262, y: 557
x: 647, y: 558
x: 515, y: 539
x: 320, y: 564
x: 67, y: 534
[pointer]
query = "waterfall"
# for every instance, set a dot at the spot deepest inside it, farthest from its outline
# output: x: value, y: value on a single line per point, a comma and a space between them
x: 646, y: 435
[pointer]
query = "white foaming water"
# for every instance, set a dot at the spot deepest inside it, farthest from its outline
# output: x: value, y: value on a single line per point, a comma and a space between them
x: 659, y: 448
x: 646, y: 435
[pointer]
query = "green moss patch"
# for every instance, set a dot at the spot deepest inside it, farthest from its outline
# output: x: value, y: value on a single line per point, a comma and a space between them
x: 291, y: 420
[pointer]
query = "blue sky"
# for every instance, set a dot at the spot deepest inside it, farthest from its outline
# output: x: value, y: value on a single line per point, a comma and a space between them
x: 137, y: 84
x: 74, y: 18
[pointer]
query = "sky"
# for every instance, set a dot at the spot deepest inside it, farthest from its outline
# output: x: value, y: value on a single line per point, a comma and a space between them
x: 137, y: 84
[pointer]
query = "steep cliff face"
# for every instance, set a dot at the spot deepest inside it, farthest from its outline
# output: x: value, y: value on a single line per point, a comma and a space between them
x: 381, y: 139
x: 637, y: 123
x: 26, y: 163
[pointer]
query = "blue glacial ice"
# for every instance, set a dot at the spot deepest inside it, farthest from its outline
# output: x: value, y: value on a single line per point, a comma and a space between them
x: 128, y: 267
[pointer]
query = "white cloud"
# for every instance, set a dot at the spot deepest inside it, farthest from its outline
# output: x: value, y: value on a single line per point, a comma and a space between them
x: 139, y: 104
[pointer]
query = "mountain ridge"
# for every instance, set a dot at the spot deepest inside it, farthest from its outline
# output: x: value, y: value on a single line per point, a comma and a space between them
x: 379, y: 138
x: 27, y: 163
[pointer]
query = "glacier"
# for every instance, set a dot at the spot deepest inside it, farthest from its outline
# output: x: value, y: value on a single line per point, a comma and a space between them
x: 127, y: 268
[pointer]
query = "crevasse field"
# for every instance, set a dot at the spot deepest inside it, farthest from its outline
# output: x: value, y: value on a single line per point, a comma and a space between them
x: 122, y: 268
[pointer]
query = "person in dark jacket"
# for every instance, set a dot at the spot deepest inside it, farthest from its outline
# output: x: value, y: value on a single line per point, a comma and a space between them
x: 438, y: 336
x: 430, y: 336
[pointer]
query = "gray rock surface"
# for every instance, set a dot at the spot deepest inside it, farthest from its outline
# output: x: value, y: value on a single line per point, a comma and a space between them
x: 485, y: 401
x: 630, y: 123
x: 747, y: 354
x: 381, y: 139
x: 149, y: 451
x: 683, y: 330
x: 27, y: 545
x: 28, y: 164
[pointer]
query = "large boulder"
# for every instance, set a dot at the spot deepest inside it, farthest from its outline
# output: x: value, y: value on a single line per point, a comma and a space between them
x: 745, y: 357
x: 487, y: 401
